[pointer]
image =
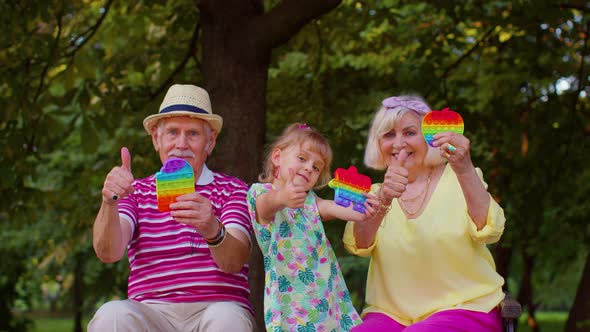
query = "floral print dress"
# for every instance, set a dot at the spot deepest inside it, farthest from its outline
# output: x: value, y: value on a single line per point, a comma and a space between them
x: 304, y: 288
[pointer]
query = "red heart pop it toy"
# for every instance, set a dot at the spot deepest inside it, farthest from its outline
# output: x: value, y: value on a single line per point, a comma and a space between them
x: 435, y: 122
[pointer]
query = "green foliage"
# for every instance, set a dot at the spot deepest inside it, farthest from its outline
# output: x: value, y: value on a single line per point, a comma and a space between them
x: 559, y: 282
x: 503, y: 65
x: 77, y: 80
x: 78, y: 77
x: 12, y: 267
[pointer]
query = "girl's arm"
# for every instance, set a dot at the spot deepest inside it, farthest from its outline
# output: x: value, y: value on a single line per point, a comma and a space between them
x: 267, y: 205
x: 329, y: 210
x: 290, y: 195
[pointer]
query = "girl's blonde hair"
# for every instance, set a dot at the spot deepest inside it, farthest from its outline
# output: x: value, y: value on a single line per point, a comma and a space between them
x: 299, y: 134
x: 388, y: 116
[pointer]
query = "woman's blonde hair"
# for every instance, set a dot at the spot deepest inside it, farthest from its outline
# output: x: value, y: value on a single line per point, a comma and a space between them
x: 388, y: 116
x: 299, y: 134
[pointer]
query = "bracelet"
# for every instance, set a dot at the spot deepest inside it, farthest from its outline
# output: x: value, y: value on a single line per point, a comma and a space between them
x: 218, y: 240
x: 383, y: 209
x: 217, y: 235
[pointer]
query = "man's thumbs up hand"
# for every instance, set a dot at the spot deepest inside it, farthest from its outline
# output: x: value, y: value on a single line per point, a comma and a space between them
x: 118, y: 182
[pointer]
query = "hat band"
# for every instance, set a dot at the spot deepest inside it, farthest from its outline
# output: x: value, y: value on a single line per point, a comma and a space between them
x: 183, y: 107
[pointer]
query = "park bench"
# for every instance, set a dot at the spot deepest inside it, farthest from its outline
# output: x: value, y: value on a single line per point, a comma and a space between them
x: 510, y: 310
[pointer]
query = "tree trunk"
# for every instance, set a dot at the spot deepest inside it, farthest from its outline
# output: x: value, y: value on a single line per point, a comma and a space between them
x: 579, y: 315
x: 77, y: 291
x: 502, y: 257
x: 525, y: 296
x: 237, y: 42
x: 236, y: 81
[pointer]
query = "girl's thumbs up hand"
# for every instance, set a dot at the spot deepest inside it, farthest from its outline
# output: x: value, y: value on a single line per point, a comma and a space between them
x: 292, y: 194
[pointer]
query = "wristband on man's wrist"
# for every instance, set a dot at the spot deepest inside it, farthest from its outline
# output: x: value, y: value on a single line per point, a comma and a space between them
x: 217, y: 239
x: 219, y: 224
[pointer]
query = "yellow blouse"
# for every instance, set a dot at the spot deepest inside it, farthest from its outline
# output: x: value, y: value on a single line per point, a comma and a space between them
x: 435, y: 262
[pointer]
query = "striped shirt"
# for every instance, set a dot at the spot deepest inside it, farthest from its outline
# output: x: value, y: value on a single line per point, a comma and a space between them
x: 170, y: 261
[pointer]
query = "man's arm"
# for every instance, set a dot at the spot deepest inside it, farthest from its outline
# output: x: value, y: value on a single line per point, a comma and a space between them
x: 110, y: 234
x: 233, y: 252
x: 230, y: 253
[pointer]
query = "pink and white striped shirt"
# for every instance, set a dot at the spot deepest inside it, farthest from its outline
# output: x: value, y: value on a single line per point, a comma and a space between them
x: 170, y: 261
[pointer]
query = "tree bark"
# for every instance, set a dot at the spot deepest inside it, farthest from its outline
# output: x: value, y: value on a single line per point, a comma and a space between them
x: 77, y: 291
x: 525, y: 296
x: 502, y: 257
x: 579, y: 315
x: 237, y: 42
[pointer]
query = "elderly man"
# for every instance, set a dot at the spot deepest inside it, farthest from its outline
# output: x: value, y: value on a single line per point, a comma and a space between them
x: 188, y: 266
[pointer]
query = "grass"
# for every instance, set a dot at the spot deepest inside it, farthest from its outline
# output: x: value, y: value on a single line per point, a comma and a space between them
x: 55, y: 324
x: 547, y: 321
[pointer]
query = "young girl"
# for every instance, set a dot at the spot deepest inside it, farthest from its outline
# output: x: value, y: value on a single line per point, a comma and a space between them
x: 304, y: 288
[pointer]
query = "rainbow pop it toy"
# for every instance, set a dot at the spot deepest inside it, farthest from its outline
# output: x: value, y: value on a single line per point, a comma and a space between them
x: 174, y: 179
x: 349, y: 187
x: 435, y: 122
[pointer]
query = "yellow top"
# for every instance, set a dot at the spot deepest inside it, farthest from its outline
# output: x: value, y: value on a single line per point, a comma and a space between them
x: 434, y: 262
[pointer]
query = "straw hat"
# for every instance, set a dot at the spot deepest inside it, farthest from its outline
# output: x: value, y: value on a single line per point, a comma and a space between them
x: 185, y: 100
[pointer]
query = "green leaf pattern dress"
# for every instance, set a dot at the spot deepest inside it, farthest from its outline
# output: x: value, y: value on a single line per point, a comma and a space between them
x: 304, y: 288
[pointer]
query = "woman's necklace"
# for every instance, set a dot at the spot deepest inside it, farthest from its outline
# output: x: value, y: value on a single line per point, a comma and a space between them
x: 413, y: 198
x: 424, y: 191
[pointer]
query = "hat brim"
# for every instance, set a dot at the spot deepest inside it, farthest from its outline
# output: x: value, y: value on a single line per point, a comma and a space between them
x: 214, y: 120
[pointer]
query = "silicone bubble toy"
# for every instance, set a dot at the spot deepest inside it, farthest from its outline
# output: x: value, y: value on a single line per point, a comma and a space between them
x: 435, y: 122
x: 174, y: 179
x: 349, y: 187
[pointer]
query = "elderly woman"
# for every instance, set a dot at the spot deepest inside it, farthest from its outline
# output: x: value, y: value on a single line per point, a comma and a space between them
x: 430, y: 269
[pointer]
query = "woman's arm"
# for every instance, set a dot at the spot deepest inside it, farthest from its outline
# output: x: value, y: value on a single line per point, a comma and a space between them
x: 365, y: 233
x: 359, y: 236
x: 393, y: 186
x: 474, y: 191
x: 476, y: 197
